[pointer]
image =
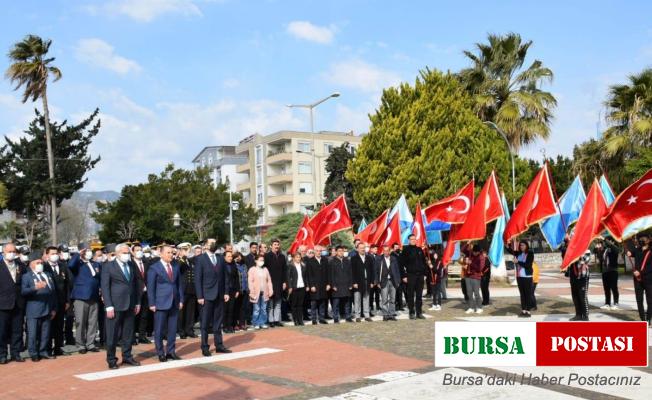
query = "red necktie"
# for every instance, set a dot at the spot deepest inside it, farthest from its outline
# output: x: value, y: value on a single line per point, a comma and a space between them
x: 169, y: 270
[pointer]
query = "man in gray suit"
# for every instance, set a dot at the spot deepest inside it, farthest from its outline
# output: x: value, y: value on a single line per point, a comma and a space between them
x: 37, y: 287
x: 121, y: 294
x: 387, y: 276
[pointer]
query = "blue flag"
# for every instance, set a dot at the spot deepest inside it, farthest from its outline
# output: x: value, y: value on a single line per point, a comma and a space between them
x: 363, y: 224
x: 404, y: 215
x: 433, y: 236
x: 606, y: 190
x: 569, y: 207
x: 497, y: 247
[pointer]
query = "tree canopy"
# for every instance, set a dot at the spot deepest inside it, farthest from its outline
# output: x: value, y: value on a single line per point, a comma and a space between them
x: 336, y: 183
x: 426, y: 142
x: 145, y: 211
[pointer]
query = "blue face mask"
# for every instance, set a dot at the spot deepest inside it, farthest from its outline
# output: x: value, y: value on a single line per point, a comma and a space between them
x: 324, y: 253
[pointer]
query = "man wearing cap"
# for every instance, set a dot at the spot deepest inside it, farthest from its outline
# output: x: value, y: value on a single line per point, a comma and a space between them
x: 187, y: 315
x: 12, y: 304
x: 58, y: 269
x: 85, y: 296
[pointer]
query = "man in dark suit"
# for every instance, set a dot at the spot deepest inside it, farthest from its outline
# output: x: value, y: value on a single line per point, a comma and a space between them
x: 122, y: 301
x: 165, y: 297
x: 12, y: 304
x: 39, y: 291
x: 62, y: 285
x: 414, y: 265
x: 250, y: 259
x: 189, y: 299
x: 341, y: 281
x: 142, y: 319
x: 277, y: 266
x: 85, y: 296
x: 362, y: 266
x: 212, y: 287
x: 387, y: 276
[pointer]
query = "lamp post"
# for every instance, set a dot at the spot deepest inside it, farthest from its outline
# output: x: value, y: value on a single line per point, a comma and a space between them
x: 511, y: 153
x: 312, y: 106
x: 176, y: 220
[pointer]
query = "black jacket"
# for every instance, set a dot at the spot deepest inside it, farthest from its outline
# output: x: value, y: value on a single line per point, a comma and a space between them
x: 384, y: 274
x: 529, y: 260
x: 293, y: 276
x: 277, y: 266
x: 62, y: 282
x: 607, y: 257
x: 413, y: 261
x: 317, y: 272
x: 340, y: 277
x: 363, y: 272
x: 250, y: 260
x: 117, y: 291
x: 10, y: 296
x: 642, y: 256
x: 187, y: 268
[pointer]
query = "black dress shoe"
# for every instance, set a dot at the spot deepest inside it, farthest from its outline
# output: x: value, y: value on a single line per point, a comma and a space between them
x: 222, y: 349
x: 82, y: 351
x: 323, y: 321
x: 412, y: 316
x: 280, y: 324
x: 358, y: 320
x: 314, y: 322
x: 173, y: 356
x: 3, y: 361
x: 162, y: 358
x: 182, y: 336
x: 34, y: 359
x: 113, y: 365
x: 58, y: 352
x: 349, y: 320
x: 369, y: 319
x: 131, y: 361
x: 421, y: 316
x: 94, y: 350
x: 206, y: 353
x: 18, y: 359
x: 192, y: 335
x: 144, y: 340
x: 135, y: 342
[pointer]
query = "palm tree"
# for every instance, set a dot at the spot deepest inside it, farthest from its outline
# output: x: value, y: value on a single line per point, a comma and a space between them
x: 506, y: 94
x: 31, y: 69
x: 630, y: 116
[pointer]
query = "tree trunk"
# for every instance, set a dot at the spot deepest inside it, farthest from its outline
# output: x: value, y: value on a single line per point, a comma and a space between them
x: 53, y: 199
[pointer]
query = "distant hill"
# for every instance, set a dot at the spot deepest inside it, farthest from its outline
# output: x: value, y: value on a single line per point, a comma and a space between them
x: 85, y: 201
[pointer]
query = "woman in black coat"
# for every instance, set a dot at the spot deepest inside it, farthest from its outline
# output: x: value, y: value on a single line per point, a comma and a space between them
x: 297, y: 284
x: 524, y: 259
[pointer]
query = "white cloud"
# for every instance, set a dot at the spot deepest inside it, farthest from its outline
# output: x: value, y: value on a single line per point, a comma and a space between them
x: 307, y: 31
x: 360, y: 75
x: 99, y: 53
x: 147, y: 10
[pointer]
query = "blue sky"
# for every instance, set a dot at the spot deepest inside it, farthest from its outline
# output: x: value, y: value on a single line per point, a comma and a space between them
x: 172, y: 76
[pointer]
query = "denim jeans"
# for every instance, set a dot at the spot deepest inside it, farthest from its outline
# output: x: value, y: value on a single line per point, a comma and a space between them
x: 259, y: 316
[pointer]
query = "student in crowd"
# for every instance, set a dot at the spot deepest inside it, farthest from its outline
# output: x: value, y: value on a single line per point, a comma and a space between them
x: 261, y: 290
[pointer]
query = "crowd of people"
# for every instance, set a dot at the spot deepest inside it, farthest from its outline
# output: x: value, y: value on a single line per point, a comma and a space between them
x: 128, y: 293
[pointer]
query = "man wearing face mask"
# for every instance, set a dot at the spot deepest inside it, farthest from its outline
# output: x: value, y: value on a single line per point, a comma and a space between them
x: 24, y: 256
x: 62, y: 286
x: 142, y: 319
x: 64, y: 259
x: 212, y: 288
x: 122, y: 300
x: 12, y: 304
x: 85, y: 296
x: 642, y: 275
x: 277, y: 265
x: 187, y: 315
x: 41, y: 304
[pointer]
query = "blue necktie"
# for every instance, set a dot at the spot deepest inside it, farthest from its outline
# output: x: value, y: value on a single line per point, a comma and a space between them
x: 125, y: 271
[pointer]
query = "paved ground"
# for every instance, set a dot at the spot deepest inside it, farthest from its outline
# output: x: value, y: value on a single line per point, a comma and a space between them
x: 377, y: 360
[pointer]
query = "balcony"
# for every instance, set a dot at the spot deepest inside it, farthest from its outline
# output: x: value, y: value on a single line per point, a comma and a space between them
x: 282, y: 178
x: 279, y: 157
x: 286, y: 198
x: 242, y: 168
x: 243, y: 187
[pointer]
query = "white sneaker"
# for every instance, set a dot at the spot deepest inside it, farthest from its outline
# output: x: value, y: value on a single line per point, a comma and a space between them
x: 615, y: 307
x: 605, y: 307
x: 432, y: 308
x: 257, y: 327
x: 469, y: 311
x: 438, y: 308
x: 265, y: 326
x: 479, y: 311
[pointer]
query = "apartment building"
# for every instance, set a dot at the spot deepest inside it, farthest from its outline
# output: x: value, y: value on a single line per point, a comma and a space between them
x: 222, y: 162
x: 285, y: 171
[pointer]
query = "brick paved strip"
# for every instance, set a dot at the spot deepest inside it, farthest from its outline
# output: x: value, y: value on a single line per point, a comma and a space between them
x: 108, y: 374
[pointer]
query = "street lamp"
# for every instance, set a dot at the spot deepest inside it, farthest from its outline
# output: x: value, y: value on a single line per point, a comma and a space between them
x: 233, y: 206
x: 176, y: 220
x: 312, y: 106
x: 511, y: 153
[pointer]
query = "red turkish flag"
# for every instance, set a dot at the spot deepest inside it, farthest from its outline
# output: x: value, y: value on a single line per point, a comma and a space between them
x: 588, y: 227
x: 418, y: 227
x: 330, y: 219
x: 452, y: 209
x: 449, y: 251
x: 303, y: 237
x: 632, y: 204
x: 537, y: 204
x: 486, y: 208
x: 392, y: 233
x: 372, y: 232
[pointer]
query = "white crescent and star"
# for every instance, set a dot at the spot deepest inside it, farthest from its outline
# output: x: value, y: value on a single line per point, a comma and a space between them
x: 418, y: 229
x: 467, y: 205
x: 633, y: 198
x: 305, y: 233
x: 373, y: 229
x: 536, y: 201
x: 337, y: 217
x: 389, y: 234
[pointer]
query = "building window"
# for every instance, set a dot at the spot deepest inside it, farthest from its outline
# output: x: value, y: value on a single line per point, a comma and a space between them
x: 305, y: 167
x: 305, y: 187
x: 307, y: 209
x: 328, y: 148
x: 304, y: 147
x: 259, y: 174
x: 259, y: 198
x: 259, y: 154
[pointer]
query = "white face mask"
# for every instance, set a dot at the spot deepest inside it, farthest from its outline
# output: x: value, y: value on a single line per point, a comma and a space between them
x: 54, y: 258
x: 10, y: 256
x: 147, y: 255
x: 88, y: 255
x: 155, y: 254
x: 65, y: 256
x: 124, y: 258
x: 260, y: 263
x: 139, y: 254
x: 111, y: 258
x: 24, y: 258
x: 103, y: 258
x: 39, y: 268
